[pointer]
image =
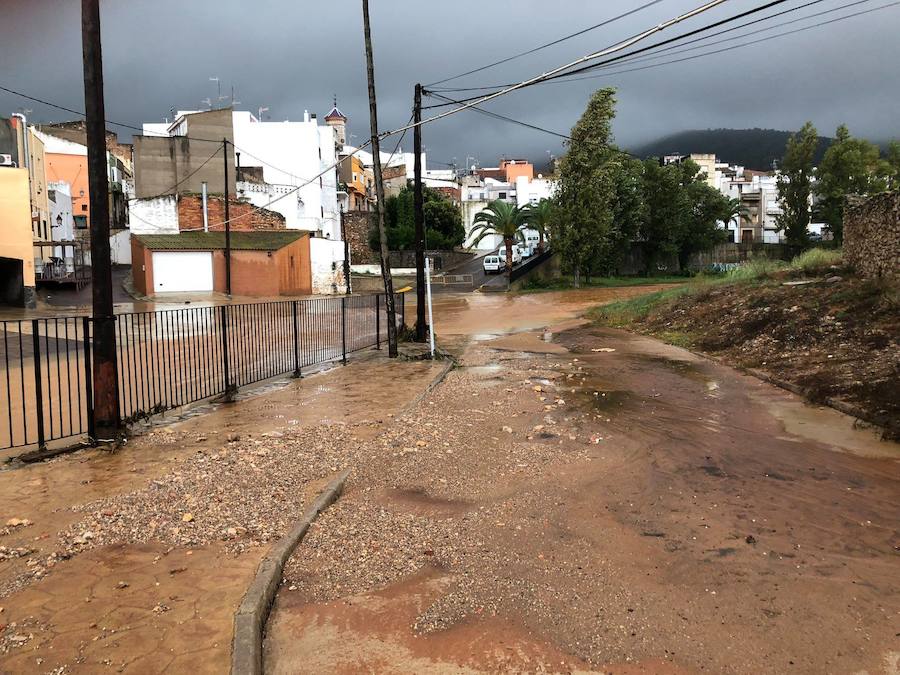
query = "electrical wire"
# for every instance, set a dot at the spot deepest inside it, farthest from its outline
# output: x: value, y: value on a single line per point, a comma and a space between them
x: 112, y: 122
x: 549, y: 44
x: 168, y: 193
x: 624, y: 44
x: 498, y: 116
x: 732, y: 47
x: 640, y: 50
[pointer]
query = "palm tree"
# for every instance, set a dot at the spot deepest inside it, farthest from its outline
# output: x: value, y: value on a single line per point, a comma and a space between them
x: 503, y: 219
x: 538, y: 218
x: 735, y: 210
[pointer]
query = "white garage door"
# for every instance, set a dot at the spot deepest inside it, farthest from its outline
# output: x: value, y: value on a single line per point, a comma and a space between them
x: 182, y: 271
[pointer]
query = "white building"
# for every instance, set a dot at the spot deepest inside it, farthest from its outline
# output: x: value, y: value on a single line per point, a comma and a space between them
x: 477, y: 193
x: 296, y: 161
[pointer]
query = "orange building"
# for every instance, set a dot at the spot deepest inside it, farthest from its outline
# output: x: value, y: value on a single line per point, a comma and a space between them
x: 72, y: 169
x: 514, y: 168
x: 263, y: 264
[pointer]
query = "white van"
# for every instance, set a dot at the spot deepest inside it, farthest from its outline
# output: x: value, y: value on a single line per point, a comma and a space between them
x: 492, y: 264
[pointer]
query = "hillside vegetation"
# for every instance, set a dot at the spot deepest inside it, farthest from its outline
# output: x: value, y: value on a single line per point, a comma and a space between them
x: 751, y: 148
x: 810, y: 323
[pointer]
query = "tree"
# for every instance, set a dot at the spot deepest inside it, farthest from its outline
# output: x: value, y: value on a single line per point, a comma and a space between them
x: 503, y: 219
x: 586, y: 187
x: 893, y: 165
x: 444, y: 230
x: 664, y: 209
x: 629, y: 209
x: 682, y: 213
x: 794, y: 185
x: 539, y: 216
x: 734, y: 211
x: 701, y: 231
x: 850, y: 166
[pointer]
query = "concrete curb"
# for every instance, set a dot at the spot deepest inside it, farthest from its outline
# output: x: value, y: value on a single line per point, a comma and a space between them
x: 250, y: 619
x: 449, y: 364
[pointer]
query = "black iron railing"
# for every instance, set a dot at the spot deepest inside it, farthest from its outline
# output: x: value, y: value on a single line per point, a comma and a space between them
x: 171, y: 358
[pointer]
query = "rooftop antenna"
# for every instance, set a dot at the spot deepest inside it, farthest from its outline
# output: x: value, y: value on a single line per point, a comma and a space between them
x: 218, y: 87
x: 260, y: 113
x: 233, y: 102
x: 207, y: 102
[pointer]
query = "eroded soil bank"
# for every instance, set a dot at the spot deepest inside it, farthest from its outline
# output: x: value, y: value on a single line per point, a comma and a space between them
x: 834, y: 337
x: 602, y: 502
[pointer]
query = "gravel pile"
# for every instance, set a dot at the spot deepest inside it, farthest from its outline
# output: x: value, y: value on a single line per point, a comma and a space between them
x: 245, y: 494
x: 444, y: 485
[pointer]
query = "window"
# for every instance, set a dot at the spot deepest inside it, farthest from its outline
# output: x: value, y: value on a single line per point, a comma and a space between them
x: 81, y: 222
x: 84, y: 207
x: 502, y: 195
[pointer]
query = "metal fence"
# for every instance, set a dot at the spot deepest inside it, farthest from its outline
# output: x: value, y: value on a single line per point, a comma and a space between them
x: 171, y: 358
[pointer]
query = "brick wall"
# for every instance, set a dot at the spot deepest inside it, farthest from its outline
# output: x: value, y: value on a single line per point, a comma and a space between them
x: 872, y: 235
x: 356, y: 229
x: 245, y: 217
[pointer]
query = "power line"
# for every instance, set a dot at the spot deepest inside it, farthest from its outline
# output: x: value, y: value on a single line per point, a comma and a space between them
x: 548, y: 44
x: 664, y: 42
x: 298, y: 187
x: 625, y: 44
x: 744, y: 25
x: 498, y: 116
x: 114, y: 123
x: 640, y: 50
x: 742, y: 44
x: 167, y: 193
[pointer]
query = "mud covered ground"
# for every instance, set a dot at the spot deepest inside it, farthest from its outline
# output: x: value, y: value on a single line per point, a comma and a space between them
x: 837, y: 339
x: 598, y: 501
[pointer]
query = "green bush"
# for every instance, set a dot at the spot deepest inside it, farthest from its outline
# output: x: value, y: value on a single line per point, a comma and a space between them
x: 756, y: 268
x: 816, y: 259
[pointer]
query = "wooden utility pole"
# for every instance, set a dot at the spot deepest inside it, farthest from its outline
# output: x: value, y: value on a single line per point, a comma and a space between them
x: 419, y: 217
x: 379, y: 190
x: 105, y: 384
x: 227, y: 223
x: 347, y: 288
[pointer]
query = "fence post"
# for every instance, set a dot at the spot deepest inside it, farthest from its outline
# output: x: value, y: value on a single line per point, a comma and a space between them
x: 294, y: 312
x: 38, y: 391
x: 344, y: 330
x: 377, y: 321
x: 402, y: 310
x: 230, y: 389
x: 88, y: 377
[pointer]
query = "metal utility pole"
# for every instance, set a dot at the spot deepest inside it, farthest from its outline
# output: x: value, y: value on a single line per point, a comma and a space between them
x: 379, y: 190
x: 106, y: 393
x: 419, y: 217
x: 227, y: 223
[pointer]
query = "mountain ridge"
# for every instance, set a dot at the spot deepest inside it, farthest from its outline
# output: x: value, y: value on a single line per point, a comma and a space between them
x: 751, y: 148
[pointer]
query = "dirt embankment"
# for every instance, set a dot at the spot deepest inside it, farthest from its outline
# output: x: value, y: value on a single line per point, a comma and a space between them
x: 835, y: 339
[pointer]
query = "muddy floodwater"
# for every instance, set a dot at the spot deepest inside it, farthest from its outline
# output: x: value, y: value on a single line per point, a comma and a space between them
x: 575, y: 499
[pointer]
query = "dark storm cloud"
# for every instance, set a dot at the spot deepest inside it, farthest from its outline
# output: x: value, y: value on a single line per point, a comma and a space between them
x: 292, y: 56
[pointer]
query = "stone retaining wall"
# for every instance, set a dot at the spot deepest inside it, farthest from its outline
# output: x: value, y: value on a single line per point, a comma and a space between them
x: 872, y: 235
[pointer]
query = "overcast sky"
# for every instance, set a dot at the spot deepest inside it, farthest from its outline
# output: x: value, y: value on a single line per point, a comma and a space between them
x: 290, y: 56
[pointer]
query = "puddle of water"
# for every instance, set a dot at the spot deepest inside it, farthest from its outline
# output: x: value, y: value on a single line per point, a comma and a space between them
x: 830, y: 427
x: 489, y: 369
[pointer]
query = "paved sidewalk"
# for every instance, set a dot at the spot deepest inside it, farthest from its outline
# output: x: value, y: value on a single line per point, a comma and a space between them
x: 136, y: 561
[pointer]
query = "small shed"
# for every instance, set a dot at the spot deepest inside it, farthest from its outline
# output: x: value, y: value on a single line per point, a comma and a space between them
x: 263, y: 264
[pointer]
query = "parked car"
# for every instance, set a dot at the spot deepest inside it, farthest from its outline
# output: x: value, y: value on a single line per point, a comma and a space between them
x: 492, y: 264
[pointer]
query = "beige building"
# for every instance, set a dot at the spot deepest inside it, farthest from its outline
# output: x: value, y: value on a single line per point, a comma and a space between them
x: 16, y: 245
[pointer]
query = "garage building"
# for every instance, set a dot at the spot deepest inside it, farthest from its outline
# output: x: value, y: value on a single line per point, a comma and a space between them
x: 262, y: 263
